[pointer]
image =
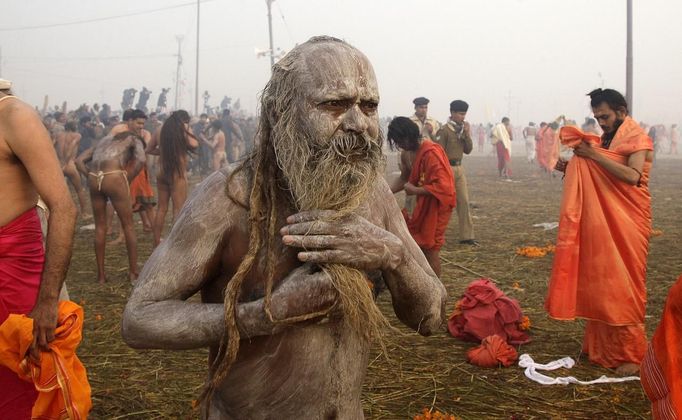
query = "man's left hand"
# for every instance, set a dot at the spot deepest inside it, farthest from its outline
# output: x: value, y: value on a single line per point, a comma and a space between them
x: 350, y: 240
x: 410, y: 189
x: 44, y: 316
x: 585, y: 149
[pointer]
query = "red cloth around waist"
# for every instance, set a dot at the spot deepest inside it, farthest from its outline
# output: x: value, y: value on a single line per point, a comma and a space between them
x: 21, y: 263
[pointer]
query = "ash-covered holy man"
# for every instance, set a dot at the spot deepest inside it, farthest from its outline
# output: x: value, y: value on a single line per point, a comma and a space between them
x: 280, y: 247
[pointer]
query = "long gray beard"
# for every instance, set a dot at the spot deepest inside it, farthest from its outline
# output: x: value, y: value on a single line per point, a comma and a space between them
x: 337, y: 175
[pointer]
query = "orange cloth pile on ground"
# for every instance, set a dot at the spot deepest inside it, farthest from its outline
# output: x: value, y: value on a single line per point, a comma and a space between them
x: 60, y: 378
x: 600, y: 260
x: 485, y: 310
x: 547, y: 148
x: 431, y: 170
x: 492, y: 352
x: 661, y: 370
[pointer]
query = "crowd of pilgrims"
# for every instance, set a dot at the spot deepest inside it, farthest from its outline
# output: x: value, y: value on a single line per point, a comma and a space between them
x: 95, y: 122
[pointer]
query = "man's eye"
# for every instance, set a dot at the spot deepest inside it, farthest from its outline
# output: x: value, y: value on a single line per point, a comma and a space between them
x: 336, y: 104
x: 368, y: 106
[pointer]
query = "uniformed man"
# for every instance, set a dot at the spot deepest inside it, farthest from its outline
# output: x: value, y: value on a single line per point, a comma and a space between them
x: 455, y: 137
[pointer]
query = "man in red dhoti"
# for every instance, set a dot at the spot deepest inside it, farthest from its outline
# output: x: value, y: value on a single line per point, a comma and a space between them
x: 662, y: 365
x: 604, y: 226
x: 30, y: 279
x: 432, y: 182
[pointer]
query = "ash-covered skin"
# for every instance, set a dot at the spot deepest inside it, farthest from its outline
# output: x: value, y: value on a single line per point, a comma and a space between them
x: 110, y: 148
x: 314, y: 369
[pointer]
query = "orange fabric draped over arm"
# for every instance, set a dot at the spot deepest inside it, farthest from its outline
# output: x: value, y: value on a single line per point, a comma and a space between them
x: 599, y: 266
x: 431, y: 170
x: 59, y: 378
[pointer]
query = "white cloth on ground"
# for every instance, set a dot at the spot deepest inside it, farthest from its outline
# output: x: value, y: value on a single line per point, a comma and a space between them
x: 531, y: 372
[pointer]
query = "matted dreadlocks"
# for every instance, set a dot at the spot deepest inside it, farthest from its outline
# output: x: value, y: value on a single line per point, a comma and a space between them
x: 288, y: 156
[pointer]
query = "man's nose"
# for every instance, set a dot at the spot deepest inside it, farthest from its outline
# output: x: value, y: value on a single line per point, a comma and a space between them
x: 355, y: 121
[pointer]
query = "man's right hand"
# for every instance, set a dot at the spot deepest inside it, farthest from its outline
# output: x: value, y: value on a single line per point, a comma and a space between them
x: 561, y: 165
x: 306, y: 290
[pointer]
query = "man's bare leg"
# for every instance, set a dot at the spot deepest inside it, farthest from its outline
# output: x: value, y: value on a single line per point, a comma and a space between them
x: 178, y: 194
x: 160, y: 219
x: 110, y: 218
x: 149, y: 213
x: 121, y: 202
x: 627, y: 369
x: 74, y: 178
x: 99, y: 211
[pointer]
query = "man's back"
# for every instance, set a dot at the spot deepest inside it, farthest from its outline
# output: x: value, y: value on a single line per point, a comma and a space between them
x: 18, y: 193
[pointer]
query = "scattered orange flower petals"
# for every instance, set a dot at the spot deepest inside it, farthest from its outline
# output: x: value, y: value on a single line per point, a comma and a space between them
x: 535, y: 251
x: 436, y: 415
x: 516, y: 285
x: 525, y: 323
x: 656, y: 232
x: 98, y: 317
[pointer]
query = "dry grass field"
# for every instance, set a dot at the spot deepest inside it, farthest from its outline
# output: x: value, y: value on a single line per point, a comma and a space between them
x: 422, y: 372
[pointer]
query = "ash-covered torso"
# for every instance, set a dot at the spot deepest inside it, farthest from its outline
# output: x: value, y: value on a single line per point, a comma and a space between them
x: 315, y: 367
x: 112, y: 153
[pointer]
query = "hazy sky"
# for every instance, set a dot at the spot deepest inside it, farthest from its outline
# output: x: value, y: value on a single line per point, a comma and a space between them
x: 529, y: 59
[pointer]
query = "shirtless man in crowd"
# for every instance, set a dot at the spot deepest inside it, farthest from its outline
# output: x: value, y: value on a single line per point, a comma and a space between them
x: 32, y: 275
x: 57, y: 126
x: 217, y: 142
x: 280, y: 246
x: 107, y: 167
x: 67, y: 147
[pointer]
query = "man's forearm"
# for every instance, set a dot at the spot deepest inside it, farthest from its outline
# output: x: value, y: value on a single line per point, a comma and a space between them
x: 181, y: 325
x: 411, y: 290
x: 59, y: 244
x: 620, y: 171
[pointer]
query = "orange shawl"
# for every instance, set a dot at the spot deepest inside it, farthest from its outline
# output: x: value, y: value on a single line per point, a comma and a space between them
x: 599, y: 266
x: 60, y: 378
x: 662, y: 366
x: 431, y: 170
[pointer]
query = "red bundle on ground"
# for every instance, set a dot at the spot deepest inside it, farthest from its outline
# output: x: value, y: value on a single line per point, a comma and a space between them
x: 492, y: 352
x: 485, y: 310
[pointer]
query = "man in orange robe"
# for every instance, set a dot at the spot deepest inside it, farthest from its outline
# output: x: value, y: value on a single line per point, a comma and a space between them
x: 662, y: 365
x: 432, y: 182
x: 604, y: 226
x: 548, y: 147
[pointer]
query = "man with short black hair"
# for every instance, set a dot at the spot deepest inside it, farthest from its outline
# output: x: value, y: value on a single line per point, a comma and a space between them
x: 455, y: 138
x: 428, y: 127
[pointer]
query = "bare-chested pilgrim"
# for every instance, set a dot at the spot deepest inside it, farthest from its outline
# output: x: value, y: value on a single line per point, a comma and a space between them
x: 216, y: 139
x: 66, y: 145
x: 280, y: 246
x: 108, y: 175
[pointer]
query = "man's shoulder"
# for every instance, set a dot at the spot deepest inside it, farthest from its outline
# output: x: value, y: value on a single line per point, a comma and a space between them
x: 14, y: 107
